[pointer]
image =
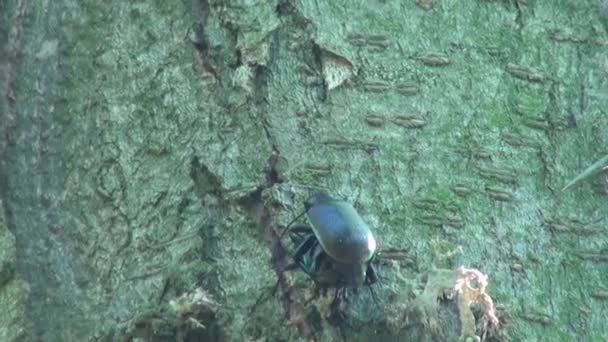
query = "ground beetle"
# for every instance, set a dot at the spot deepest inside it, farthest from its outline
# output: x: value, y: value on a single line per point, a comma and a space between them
x: 336, y: 248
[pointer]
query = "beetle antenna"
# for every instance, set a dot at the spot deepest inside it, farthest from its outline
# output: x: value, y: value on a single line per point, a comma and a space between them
x: 289, y: 225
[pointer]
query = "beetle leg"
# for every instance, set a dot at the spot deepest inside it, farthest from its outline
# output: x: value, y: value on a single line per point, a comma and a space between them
x: 371, y: 277
x: 374, y: 297
x: 304, y: 245
x: 301, y: 229
x: 291, y: 267
x: 299, y: 232
x: 337, y: 295
x: 318, y: 259
x: 304, y: 248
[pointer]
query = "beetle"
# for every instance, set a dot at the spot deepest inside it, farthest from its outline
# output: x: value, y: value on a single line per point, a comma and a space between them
x: 336, y: 248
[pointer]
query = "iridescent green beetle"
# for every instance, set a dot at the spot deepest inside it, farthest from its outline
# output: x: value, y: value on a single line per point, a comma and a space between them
x: 336, y: 248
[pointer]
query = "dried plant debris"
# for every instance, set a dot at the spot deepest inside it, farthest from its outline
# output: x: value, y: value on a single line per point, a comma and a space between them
x: 192, y: 307
x: 470, y: 288
x: 465, y: 286
x: 190, y: 317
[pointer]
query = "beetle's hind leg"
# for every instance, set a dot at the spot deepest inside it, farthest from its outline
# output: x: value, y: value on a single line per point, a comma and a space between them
x: 306, y: 244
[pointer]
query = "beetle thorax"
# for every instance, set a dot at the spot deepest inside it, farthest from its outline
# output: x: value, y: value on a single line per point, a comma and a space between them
x: 351, y: 275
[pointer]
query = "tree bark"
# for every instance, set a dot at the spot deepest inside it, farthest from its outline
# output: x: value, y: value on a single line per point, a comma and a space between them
x: 151, y: 148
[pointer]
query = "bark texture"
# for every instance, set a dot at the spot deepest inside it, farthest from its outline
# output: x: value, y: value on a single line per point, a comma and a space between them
x: 154, y: 149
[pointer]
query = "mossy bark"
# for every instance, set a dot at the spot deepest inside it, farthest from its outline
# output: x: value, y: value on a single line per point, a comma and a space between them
x: 150, y: 148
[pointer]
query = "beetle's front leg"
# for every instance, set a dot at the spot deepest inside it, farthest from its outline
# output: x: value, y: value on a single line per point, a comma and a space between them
x: 371, y: 276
